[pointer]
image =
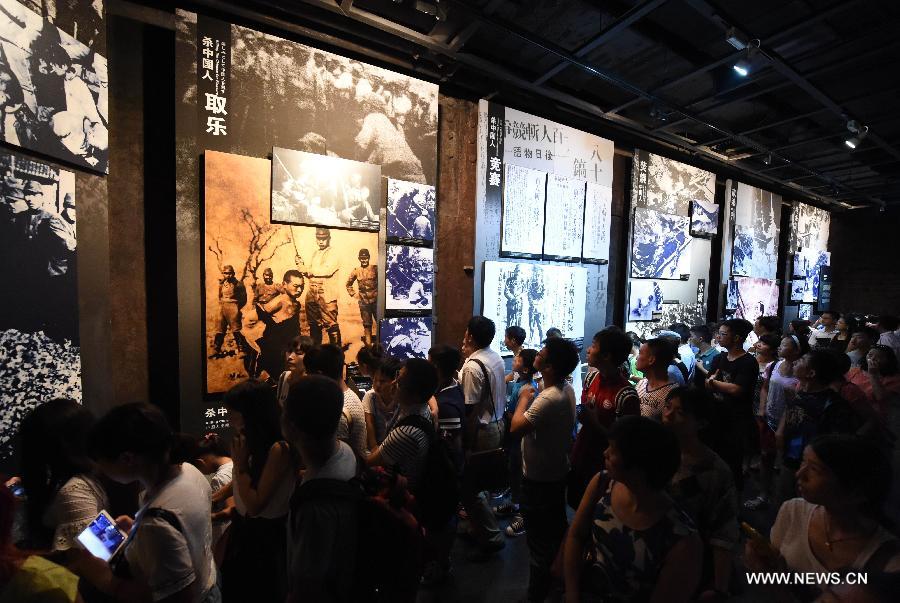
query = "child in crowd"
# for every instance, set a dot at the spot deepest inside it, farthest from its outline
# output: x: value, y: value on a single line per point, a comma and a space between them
x: 513, y: 339
x: 523, y: 367
x: 213, y: 459
x: 379, y: 403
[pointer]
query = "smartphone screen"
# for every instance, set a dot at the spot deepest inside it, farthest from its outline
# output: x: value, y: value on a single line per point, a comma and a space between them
x: 102, y: 538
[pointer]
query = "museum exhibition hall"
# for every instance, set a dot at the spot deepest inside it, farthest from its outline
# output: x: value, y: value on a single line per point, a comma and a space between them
x: 449, y: 300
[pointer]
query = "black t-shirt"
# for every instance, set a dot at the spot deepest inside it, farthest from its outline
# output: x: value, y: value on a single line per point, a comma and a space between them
x: 742, y: 371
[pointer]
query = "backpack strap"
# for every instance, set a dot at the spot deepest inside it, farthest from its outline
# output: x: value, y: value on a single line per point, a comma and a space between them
x: 685, y: 374
x: 487, y: 394
x: 419, y: 422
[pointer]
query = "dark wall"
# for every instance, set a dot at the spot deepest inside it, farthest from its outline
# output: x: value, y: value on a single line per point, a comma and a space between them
x: 865, y: 247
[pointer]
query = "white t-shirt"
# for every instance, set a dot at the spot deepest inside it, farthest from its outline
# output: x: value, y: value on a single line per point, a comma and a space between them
x: 218, y: 480
x: 167, y: 559
x: 471, y: 377
x: 76, y: 505
x: 352, y: 426
x: 381, y: 420
x: 892, y: 340
x: 341, y: 466
x: 545, y: 450
x: 821, y: 337
x: 790, y: 535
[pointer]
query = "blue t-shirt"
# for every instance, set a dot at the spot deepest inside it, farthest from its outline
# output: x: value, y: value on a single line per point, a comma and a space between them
x: 514, y: 390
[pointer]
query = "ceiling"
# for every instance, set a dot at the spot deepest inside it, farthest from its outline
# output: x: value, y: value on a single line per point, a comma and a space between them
x: 656, y: 74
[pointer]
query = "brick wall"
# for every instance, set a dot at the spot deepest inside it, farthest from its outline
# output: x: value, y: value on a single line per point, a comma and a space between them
x: 865, y: 261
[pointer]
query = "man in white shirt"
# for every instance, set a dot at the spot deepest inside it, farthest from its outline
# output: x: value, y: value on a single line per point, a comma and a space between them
x: 889, y: 327
x: 546, y: 425
x: 824, y: 330
x: 483, y: 382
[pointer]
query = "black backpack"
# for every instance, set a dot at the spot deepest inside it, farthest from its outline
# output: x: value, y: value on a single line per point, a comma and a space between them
x: 437, y: 492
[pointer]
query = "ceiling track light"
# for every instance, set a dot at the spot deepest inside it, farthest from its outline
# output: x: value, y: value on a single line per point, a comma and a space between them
x: 744, y: 65
x: 768, y: 159
x: 858, y: 133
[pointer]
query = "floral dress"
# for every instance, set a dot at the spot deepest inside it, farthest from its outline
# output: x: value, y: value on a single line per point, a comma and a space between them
x: 623, y: 564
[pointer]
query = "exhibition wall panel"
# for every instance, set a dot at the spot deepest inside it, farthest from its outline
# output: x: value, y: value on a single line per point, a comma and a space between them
x: 507, y: 136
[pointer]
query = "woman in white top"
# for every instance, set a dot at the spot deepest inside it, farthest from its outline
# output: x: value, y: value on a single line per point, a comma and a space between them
x: 835, y: 526
x: 379, y: 402
x: 168, y: 553
x: 254, y: 567
x: 293, y: 363
x: 63, y: 492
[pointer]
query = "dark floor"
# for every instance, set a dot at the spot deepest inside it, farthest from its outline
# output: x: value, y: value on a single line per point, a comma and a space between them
x: 505, y: 577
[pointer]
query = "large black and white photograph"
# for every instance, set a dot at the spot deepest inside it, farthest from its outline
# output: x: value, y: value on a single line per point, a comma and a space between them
x: 810, y: 227
x: 290, y: 95
x: 317, y: 190
x: 661, y: 245
x: 704, y: 218
x: 757, y: 221
x: 266, y: 283
x: 669, y: 186
x: 807, y: 267
x: 410, y: 212
x: 597, y: 223
x: 669, y: 313
x: 751, y: 298
x: 524, y: 193
x: 39, y: 340
x: 645, y: 299
x: 564, y: 218
x: 53, y: 80
x: 409, y: 278
x: 804, y: 312
x: 536, y: 297
x: 406, y: 337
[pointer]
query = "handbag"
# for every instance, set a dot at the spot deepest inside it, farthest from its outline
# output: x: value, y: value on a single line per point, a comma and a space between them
x: 485, y: 469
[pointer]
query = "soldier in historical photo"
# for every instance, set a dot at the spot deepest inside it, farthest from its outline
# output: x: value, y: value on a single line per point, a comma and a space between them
x: 232, y: 299
x: 512, y: 291
x: 267, y: 290
x: 366, y: 278
x: 321, y: 301
x: 536, y: 306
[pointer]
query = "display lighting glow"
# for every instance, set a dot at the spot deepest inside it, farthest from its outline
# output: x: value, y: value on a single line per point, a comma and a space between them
x: 858, y: 133
x: 742, y: 68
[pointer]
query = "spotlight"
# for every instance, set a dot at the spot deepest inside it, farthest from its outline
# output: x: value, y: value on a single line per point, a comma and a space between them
x: 768, y: 159
x: 859, y: 132
x: 743, y: 65
x: 742, y: 68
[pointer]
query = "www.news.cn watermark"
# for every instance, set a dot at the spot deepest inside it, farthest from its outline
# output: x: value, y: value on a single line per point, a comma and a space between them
x: 806, y: 578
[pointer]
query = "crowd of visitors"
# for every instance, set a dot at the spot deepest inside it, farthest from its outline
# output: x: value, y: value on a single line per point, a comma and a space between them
x: 634, y: 492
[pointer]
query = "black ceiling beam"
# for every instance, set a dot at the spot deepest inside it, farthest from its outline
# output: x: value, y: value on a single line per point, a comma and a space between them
x: 716, y: 15
x: 460, y: 39
x: 770, y: 41
x: 773, y: 87
x: 614, y: 29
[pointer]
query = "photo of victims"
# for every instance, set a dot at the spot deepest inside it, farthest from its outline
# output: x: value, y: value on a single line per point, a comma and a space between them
x: 406, y: 337
x: 294, y: 96
x: 39, y: 309
x: 806, y: 269
x: 689, y: 314
x: 704, y: 218
x: 645, y: 299
x: 53, y: 80
x: 672, y: 185
x: 661, y: 245
x: 757, y: 220
x: 535, y: 297
x: 409, y: 278
x: 810, y: 227
x: 410, y: 212
x: 310, y: 189
x: 751, y: 298
x: 266, y: 284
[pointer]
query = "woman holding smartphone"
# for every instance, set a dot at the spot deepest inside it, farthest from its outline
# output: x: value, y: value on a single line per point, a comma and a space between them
x: 168, y: 552
x: 254, y: 567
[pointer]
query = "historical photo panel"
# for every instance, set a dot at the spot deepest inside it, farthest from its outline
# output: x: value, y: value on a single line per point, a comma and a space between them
x: 597, y: 223
x: 704, y: 218
x: 661, y: 245
x: 757, y: 220
x: 524, y: 192
x: 53, y: 80
x: 806, y: 270
x: 266, y: 283
x: 310, y: 189
x: 751, y: 298
x: 409, y: 278
x: 645, y: 299
x: 810, y: 227
x: 535, y: 297
x: 564, y: 218
x: 669, y: 186
x: 406, y: 336
x: 410, y: 212
x: 39, y: 340
x: 689, y: 314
